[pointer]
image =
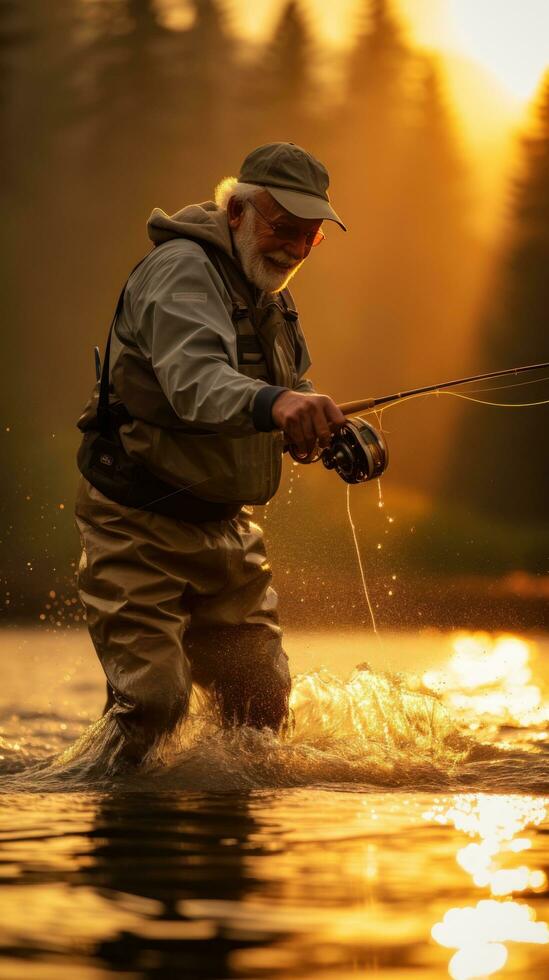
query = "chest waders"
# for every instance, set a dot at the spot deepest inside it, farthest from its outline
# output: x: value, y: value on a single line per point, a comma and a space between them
x: 102, y: 458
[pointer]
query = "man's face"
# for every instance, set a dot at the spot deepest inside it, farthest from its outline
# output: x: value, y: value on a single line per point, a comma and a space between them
x: 270, y: 256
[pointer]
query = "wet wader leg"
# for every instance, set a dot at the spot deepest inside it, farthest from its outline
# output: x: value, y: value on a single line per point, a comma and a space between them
x: 135, y: 615
x: 234, y: 641
x: 110, y: 699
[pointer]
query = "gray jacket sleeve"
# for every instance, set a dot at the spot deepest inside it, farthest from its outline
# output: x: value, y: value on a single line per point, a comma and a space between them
x: 181, y: 316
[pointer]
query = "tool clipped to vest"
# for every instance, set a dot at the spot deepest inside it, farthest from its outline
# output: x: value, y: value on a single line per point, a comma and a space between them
x: 103, y: 461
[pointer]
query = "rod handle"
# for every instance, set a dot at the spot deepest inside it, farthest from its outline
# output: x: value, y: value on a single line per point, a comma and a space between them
x: 352, y: 408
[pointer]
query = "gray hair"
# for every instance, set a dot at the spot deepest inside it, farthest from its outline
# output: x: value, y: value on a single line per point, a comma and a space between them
x: 231, y: 187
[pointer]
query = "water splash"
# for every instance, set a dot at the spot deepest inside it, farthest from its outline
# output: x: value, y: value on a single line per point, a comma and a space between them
x: 370, y: 730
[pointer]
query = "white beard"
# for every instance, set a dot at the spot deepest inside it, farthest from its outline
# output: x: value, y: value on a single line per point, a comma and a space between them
x: 256, y: 266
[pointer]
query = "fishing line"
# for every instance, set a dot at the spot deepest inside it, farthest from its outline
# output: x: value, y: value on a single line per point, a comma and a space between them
x: 457, y: 394
x: 173, y: 493
x: 517, y: 384
x: 359, y: 559
x: 482, y: 401
x: 359, y: 454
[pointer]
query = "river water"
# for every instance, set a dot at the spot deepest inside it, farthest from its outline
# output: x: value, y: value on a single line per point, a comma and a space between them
x: 400, y: 828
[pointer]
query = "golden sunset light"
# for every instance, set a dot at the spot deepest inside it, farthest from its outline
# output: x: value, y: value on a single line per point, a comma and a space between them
x: 505, y: 41
x: 274, y: 688
x: 510, y: 38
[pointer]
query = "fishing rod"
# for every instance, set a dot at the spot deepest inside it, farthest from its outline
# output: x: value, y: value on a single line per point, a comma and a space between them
x: 363, y: 405
x: 358, y: 451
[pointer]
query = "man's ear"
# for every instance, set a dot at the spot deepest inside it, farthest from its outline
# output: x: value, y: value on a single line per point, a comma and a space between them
x: 235, y: 211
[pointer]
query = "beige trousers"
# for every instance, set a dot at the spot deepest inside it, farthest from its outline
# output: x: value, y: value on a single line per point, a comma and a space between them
x: 170, y: 603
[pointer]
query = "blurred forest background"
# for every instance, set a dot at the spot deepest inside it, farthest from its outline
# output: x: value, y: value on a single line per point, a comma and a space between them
x: 109, y: 108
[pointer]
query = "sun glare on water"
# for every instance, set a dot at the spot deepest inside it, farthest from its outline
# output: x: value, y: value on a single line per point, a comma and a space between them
x: 491, y: 677
x: 480, y: 933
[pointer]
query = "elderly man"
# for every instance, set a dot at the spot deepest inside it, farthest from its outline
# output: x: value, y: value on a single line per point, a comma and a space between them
x: 202, y: 384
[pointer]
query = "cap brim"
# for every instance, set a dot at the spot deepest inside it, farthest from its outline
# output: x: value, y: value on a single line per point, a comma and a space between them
x: 304, y: 205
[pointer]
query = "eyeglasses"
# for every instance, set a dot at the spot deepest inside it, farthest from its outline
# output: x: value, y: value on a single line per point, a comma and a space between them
x: 289, y: 233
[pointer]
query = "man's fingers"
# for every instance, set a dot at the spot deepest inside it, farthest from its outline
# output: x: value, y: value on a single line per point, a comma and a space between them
x: 309, y: 433
x: 322, y: 427
x: 334, y: 415
x: 308, y: 420
x: 302, y: 435
x: 297, y: 438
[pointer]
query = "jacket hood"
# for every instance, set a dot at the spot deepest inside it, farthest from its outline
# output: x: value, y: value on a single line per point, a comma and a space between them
x: 205, y: 222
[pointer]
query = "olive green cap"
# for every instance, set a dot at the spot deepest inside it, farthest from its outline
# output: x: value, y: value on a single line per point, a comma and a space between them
x: 295, y: 178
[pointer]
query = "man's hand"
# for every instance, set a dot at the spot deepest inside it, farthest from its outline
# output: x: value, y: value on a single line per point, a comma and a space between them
x: 306, y: 419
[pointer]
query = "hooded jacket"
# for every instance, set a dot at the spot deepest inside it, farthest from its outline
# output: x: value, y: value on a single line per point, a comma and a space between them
x: 198, y: 356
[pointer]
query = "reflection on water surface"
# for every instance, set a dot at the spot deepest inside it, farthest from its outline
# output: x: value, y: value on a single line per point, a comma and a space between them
x: 480, y: 932
x: 388, y: 833
x: 492, y: 677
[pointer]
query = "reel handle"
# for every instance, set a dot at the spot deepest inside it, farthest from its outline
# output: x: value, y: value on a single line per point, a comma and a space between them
x: 312, y: 457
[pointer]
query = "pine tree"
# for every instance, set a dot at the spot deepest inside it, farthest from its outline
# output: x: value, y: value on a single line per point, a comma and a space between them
x: 203, y: 106
x: 41, y: 101
x: 379, y: 60
x: 129, y: 66
x: 367, y: 145
x: 439, y: 266
x: 276, y: 90
x: 501, y: 456
x: 12, y: 36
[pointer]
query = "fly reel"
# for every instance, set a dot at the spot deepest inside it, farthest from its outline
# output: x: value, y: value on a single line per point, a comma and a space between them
x: 358, y: 452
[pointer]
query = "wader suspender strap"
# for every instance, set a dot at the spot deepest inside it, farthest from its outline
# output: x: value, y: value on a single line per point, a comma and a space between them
x: 289, y: 313
x: 103, y: 413
x: 103, y: 410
